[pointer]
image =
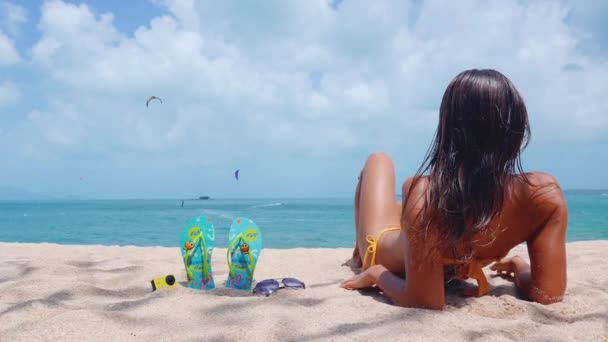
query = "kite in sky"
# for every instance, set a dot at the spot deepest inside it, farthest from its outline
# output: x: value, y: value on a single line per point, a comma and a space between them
x: 236, y: 174
x: 153, y: 98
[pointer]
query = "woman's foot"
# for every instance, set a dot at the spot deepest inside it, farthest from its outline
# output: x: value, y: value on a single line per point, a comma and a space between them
x: 355, y: 261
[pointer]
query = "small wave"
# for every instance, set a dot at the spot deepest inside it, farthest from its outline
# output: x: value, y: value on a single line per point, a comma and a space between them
x: 218, y: 213
x: 267, y: 205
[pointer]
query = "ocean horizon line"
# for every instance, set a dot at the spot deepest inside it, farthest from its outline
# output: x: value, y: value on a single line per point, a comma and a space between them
x: 50, y: 199
x: 573, y: 191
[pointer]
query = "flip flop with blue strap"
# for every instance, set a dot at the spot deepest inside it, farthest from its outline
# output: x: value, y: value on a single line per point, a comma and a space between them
x: 197, y: 241
x: 243, y: 252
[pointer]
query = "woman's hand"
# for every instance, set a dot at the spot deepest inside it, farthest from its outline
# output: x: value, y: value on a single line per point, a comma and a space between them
x: 507, y: 267
x: 360, y: 281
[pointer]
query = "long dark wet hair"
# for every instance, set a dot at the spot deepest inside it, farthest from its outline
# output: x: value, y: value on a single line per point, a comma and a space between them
x: 483, y: 127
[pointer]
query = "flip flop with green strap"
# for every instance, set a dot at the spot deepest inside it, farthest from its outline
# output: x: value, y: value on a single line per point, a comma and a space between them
x: 196, y: 244
x: 243, y: 252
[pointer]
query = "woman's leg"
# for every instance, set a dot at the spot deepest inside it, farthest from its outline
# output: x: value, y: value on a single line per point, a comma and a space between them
x: 376, y: 206
x: 356, y: 259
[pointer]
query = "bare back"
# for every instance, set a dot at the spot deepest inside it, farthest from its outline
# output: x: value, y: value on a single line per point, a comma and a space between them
x: 534, y: 213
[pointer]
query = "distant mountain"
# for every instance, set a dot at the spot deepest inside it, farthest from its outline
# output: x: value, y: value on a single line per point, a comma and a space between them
x: 13, y: 193
x: 586, y: 192
x: 75, y: 198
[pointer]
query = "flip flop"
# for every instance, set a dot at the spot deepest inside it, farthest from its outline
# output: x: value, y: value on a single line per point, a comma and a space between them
x: 243, y: 252
x: 196, y: 244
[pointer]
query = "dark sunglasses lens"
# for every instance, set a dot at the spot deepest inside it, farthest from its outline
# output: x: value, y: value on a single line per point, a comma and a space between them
x: 293, y: 283
x: 268, y: 282
x: 265, y: 290
x: 266, y: 287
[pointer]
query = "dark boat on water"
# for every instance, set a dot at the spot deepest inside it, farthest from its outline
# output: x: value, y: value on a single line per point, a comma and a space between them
x: 203, y: 198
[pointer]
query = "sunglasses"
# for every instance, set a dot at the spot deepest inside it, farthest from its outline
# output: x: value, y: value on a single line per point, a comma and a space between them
x: 270, y: 286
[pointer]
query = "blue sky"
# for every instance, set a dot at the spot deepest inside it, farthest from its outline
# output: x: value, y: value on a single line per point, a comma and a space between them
x: 294, y: 93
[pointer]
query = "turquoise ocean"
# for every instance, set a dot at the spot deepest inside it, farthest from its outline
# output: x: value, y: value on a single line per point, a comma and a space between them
x: 285, y: 223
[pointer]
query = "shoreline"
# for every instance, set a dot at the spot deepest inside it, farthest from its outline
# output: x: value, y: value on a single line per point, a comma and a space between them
x: 26, y: 244
x: 72, y: 292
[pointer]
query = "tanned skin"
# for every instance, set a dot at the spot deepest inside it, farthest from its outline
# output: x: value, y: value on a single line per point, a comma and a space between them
x: 534, y: 212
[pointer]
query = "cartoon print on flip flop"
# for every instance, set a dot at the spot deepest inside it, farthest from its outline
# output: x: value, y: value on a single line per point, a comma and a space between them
x: 197, y: 241
x: 243, y: 253
x: 188, y: 245
x: 241, y: 260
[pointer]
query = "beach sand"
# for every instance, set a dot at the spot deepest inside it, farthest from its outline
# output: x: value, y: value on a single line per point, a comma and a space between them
x: 54, y: 292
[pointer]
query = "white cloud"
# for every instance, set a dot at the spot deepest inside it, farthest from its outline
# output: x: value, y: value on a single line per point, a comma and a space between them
x: 14, y: 16
x: 374, y: 62
x: 531, y: 44
x: 9, y: 93
x: 64, y: 126
x: 298, y: 77
x: 8, y: 52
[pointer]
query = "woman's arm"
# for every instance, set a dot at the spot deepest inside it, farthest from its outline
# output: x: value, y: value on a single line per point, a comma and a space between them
x: 544, y: 281
x: 421, y: 289
x: 547, y: 250
x: 517, y: 270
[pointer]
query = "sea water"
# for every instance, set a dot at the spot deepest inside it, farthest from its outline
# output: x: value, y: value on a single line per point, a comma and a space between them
x: 285, y: 223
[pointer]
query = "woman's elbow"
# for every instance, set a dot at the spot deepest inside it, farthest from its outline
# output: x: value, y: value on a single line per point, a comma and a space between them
x: 427, y: 306
x: 416, y: 304
x: 542, y: 297
x: 436, y: 307
x: 549, y: 301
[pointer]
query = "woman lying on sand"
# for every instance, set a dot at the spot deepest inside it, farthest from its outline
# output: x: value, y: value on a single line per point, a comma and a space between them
x: 470, y: 209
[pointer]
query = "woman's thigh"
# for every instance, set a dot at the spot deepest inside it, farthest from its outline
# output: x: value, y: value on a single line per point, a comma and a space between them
x: 378, y: 207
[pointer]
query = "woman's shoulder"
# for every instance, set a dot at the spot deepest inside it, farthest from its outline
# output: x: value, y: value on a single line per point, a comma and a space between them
x: 415, y: 187
x: 539, y: 178
x: 414, y: 194
x: 419, y: 183
x: 541, y: 190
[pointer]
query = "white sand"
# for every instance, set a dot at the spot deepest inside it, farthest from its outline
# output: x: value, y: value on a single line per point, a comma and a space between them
x: 96, y: 293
